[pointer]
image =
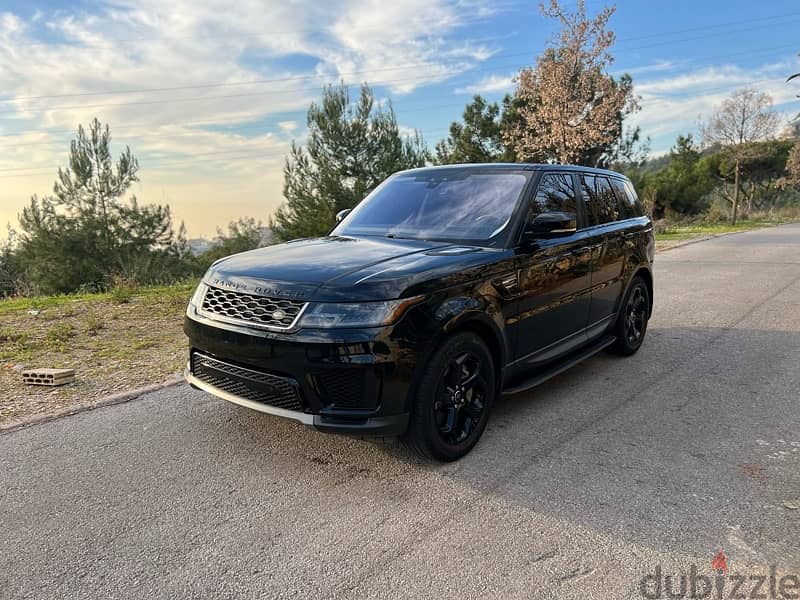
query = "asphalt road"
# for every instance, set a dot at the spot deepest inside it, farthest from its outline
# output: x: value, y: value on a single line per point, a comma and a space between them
x: 577, y: 489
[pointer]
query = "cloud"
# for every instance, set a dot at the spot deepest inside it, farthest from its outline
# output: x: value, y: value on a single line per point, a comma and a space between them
x: 116, y: 60
x: 489, y: 85
x: 675, y: 104
x: 655, y: 67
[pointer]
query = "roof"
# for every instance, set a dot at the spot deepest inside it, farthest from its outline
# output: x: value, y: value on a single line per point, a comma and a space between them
x: 523, y: 166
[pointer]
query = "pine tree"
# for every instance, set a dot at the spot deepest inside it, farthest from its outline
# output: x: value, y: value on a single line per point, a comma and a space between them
x: 85, y: 234
x: 478, y: 139
x: 351, y: 148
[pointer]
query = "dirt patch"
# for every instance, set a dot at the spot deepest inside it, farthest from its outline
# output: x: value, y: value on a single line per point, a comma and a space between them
x: 112, y: 346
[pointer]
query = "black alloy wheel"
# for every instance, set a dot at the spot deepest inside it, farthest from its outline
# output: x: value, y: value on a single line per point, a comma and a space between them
x: 460, y: 399
x: 636, y: 316
x: 453, y: 399
x: 631, y: 324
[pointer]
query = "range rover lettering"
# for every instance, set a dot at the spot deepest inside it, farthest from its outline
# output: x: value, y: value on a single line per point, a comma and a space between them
x: 442, y: 290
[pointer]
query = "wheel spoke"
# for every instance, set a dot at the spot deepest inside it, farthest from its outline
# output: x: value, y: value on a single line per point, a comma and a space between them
x: 466, y: 430
x: 450, y: 422
x: 469, y: 381
x: 459, y: 407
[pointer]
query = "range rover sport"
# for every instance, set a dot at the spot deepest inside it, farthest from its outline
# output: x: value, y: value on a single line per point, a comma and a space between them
x: 443, y: 289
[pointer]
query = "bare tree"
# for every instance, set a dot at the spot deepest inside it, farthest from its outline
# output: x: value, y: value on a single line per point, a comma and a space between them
x: 743, y: 118
x: 571, y: 109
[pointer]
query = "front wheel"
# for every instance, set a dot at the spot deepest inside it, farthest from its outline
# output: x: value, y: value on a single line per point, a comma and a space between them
x: 632, y: 320
x: 453, y: 399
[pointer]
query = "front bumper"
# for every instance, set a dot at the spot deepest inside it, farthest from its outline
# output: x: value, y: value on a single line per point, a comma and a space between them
x: 348, y: 381
x: 372, y: 426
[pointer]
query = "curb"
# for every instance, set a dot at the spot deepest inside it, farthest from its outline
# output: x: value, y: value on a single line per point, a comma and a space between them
x: 118, y: 398
x: 698, y: 240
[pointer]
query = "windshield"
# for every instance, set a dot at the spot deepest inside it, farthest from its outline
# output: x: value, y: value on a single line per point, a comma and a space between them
x: 459, y: 205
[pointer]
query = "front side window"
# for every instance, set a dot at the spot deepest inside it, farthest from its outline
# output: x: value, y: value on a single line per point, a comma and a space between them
x: 455, y: 205
x: 601, y: 203
x: 555, y: 194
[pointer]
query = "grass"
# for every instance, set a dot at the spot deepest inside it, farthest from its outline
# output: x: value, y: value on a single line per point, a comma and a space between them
x: 58, y: 335
x: 13, y: 305
x: 677, y: 233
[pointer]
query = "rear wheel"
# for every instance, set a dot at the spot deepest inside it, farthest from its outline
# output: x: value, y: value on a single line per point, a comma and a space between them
x: 453, y: 399
x: 632, y: 320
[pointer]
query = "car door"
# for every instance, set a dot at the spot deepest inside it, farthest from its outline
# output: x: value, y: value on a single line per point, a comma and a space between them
x: 605, y: 238
x: 554, y: 274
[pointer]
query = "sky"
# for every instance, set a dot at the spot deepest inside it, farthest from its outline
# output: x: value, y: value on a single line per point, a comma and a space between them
x: 210, y: 94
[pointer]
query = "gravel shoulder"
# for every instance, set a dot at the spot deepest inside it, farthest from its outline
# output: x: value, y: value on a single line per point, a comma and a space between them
x: 113, y: 346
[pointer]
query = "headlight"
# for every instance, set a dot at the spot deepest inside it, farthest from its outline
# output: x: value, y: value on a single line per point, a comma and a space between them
x: 356, y: 314
x: 197, y: 297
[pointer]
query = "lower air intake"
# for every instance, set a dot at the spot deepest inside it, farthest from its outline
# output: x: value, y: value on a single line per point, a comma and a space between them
x: 280, y: 392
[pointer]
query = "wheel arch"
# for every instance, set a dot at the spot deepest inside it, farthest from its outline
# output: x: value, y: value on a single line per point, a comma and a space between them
x: 646, y: 274
x: 485, y: 329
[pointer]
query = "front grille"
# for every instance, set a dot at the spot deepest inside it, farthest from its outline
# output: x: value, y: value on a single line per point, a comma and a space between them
x: 343, y: 388
x: 272, y: 313
x: 257, y: 386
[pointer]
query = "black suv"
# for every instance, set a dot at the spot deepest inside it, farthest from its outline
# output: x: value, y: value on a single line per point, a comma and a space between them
x: 443, y: 289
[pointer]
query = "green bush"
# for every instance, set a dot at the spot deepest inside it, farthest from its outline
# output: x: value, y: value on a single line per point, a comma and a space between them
x: 123, y: 290
x: 60, y: 334
x: 93, y: 324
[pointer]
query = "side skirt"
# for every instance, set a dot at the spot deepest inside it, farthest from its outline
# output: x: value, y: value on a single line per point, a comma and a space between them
x: 569, y: 362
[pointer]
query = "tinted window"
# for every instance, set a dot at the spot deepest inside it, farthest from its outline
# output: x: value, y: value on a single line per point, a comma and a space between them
x: 633, y: 198
x: 463, y: 205
x: 555, y: 194
x: 627, y: 203
x: 601, y: 203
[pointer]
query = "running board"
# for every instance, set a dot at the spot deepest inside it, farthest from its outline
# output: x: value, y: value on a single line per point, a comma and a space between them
x: 570, y: 362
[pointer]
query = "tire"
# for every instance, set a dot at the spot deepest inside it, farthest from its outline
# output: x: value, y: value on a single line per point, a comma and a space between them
x: 453, y: 399
x: 631, y: 324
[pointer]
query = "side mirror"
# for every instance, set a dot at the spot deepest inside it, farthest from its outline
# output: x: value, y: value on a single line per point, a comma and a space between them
x: 342, y: 214
x: 551, y: 224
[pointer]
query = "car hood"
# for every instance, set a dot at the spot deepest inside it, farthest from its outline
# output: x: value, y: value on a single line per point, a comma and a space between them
x: 337, y: 268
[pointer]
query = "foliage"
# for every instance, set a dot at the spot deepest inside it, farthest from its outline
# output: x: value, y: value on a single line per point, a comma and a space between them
x: 122, y: 290
x: 570, y: 109
x: 762, y: 169
x: 93, y: 323
x: 682, y: 187
x: 792, y: 178
x: 479, y: 139
x: 243, y: 234
x: 12, y: 274
x: 352, y: 147
x: 58, y: 335
x: 692, y: 179
x: 742, y: 119
x: 85, y: 233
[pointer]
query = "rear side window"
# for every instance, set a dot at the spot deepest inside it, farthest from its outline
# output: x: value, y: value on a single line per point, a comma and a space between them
x: 629, y: 206
x: 555, y: 194
x: 633, y: 198
x: 601, y: 203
